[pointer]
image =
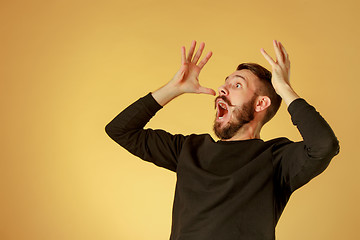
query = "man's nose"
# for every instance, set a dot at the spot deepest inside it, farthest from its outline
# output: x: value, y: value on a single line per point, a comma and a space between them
x: 223, y: 91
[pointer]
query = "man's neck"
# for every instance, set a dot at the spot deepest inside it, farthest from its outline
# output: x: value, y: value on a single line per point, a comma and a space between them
x: 248, y: 131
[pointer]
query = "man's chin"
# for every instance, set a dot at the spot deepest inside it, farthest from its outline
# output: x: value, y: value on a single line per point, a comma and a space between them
x: 218, y: 128
x: 226, y: 129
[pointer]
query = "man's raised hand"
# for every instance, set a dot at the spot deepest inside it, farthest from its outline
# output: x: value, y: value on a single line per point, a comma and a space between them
x: 280, y: 67
x: 281, y: 73
x: 186, y: 80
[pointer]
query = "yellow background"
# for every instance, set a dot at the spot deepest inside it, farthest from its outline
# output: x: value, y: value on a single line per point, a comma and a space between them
x: 67, y: 68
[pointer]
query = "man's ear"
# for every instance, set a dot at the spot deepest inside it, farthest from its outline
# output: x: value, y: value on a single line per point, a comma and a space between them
x: 262, y: 103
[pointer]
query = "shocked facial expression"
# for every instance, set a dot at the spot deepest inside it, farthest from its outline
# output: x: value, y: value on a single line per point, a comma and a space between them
x: 235, y: 103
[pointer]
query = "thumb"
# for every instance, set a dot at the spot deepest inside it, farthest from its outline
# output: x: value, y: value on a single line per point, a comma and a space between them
x: 206, y: 91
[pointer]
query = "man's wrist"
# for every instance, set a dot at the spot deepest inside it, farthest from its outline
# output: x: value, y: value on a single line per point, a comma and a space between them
x: 287, y: 93
x: 166, y: 93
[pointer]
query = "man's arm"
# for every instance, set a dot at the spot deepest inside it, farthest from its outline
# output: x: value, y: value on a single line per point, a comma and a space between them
x: 158, y: 146
x: 300, y: 161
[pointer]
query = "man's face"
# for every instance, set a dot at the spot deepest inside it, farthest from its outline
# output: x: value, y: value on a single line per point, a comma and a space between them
x: 235, y: 103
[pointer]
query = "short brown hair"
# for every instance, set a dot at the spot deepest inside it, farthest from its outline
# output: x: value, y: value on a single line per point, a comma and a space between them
x: 265, y: 78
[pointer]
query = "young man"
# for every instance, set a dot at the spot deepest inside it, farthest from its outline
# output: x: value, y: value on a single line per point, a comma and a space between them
x: 238, y: 186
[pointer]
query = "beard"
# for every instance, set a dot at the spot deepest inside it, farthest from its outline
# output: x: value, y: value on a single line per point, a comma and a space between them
x: 242, y: 115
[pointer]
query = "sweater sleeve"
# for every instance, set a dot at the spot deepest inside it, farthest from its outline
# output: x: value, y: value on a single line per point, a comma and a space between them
x: 299, y: 162
x: 156, y: 146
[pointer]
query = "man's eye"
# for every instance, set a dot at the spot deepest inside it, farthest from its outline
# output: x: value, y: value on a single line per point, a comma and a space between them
x: 238, y: 85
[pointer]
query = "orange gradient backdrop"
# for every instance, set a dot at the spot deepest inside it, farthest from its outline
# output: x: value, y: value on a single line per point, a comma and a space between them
x: 69, y: 67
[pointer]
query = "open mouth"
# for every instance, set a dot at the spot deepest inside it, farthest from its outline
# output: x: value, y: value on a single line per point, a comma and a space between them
x: 222, y: 110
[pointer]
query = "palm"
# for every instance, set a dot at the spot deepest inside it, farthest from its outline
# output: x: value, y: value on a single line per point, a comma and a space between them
x: 191, y: 76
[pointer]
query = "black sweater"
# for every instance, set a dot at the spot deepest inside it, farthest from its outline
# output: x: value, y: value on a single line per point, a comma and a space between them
x: 228, y: 190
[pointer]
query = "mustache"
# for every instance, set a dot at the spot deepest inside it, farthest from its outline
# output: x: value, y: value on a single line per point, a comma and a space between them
x: 225, y: 99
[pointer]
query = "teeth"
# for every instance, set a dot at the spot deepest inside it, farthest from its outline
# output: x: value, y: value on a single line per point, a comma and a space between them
x: 221, y: 117
x: 222, y: 104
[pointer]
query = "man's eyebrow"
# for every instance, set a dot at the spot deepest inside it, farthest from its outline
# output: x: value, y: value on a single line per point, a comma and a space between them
x: 242, y: 77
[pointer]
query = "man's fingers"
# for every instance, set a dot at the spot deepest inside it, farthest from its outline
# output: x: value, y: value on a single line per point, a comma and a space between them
x: 198, y: 53
x: 267, y: 57
x: 206, y: 91
x: 286, y: 56
x: 279, y: 54
x: 284, y: 51
x: 205, y: 60
x: 183, y: 55
x: 191, y: 51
